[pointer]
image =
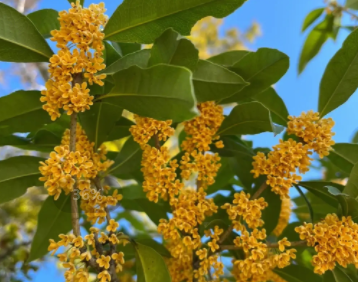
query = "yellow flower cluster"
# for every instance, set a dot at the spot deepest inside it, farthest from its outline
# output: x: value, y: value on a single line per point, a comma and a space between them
x: 146, y: 128
x: 80, y: 30
x: 81, y: 253
x: 315, y: 132
x: 61, y: 169
x: 284, y: 218
x: 335, y: 241
x: 202, y: 130
x: 287, y: 157
x: 259, y: 259
x: 159, y: 174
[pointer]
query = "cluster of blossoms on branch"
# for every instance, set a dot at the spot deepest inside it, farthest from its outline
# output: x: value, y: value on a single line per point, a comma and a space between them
x: 288, y: 157
x: 96, y: 250
x: 80, y: 40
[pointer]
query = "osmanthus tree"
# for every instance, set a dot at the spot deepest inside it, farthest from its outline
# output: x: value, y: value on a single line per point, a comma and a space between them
x: 221, y: 206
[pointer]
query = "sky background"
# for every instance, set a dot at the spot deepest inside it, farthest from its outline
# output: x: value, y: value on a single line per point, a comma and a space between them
x: 281, y: 22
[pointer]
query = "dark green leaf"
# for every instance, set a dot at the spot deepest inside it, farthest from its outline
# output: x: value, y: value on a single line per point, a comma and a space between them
x: 310, y: 209
x: 22, y: 111
x: 352, y: 4
x: 213, y: 82
x: 20, y: 41
x: 319, y: 189
x: 99, y: 121
x: 45, y: 20
x: 171, y: 49
x: 290, y: 233
x: 161, y: 92
x: 229, y: 58
x: 261, y: 69
x: 355, y: 138
x: 340, y: 81
x: 139, y: 58
x: 348, y: 204
x: 352, y: 186
x: 16, y: 175
x: 128, y: 159
x: 336, y: 275
x: 121, y: 129
x: 315, y: 40
x: 150, y: 265
x: 247, y: 118
x: 111, y: 55
x: 159, y: 248
x: 126, y: 48
x: 224, y: 175
x: 271, y: 214
x: 54, y: 219
x: 344, y: 156
x: 140, y: 21
x: 312, y: 17
x: 297, y: 273
x: 271, y: 100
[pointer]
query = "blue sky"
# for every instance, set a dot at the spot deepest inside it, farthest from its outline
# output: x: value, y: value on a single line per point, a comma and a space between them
x: 281, y: 24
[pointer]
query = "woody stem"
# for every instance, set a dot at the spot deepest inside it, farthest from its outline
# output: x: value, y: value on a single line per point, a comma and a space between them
x: 74, y: 205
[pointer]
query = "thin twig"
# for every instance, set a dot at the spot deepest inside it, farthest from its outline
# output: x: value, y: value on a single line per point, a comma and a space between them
x: 260, y: 191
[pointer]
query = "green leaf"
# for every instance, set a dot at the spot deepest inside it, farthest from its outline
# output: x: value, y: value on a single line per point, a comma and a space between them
x: 213, y: 82
x: 315, y: 40
x: 352, y: 4
x: 297, y: 273
x: 111, y: 55
x: 45, y: 20
x: 99, y: 121
x: 272, y: 101
x: 150, y: 265
x: 223, y: 177
x: 352, y: 185
x: 54, y: 219
x: 355, y: 138
x: 159, y: 248
x: 121, y: 129
x: 171, y: 49
x: 22, y: 111
x: 16, y: 175
x: 140, y: 21
x: 230, y: 58
x: 20, y: 41
x: 319, y: 189
x: 348, y: 204
x: 247, y: 118
x: 344, y: 156
x: 161, y: 92
x: 309, y: 206
x: 312, y: 17
x: 128, y: 159
x: 261, y: 69
x: 340, y: 81
x: 126, y: 48
x: 74, y: 1
x: 139, y: 59
x: 271, y: 214
x: 336, y: 275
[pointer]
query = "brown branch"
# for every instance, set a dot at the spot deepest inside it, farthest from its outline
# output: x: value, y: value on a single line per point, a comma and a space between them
x: 74, y: 205
x: 260, y: 191
x: 157, y: 142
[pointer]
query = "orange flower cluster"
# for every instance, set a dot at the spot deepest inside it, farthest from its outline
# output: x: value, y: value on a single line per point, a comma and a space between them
x: 287, y: 157
x: 315, y: 132
x: 61, y: 169
x: 146, y: 128
x: 284, y: 217
x: 335, y: 241
x: 81, y: 29
x: 81, y: 253
x: 202, y: 130
x: 260, y: 260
